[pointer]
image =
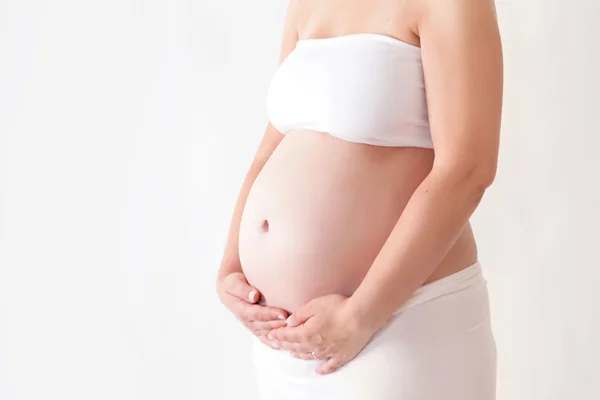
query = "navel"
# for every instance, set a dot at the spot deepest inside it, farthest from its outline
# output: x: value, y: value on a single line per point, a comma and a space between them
x: 265, y: 226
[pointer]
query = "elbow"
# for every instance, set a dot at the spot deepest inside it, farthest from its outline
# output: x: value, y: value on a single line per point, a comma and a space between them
x: 471, y: 179
x: 483, y: 176
x: 478, y: 179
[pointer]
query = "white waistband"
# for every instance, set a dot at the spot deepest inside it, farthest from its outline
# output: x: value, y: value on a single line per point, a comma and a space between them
x: 450, y: 284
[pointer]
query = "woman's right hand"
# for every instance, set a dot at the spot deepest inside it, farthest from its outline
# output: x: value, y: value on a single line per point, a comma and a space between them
x: 240, y: 298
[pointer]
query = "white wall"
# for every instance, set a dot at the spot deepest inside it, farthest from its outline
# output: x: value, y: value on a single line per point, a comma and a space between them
x: 539, y: 224
x: 126, y: 128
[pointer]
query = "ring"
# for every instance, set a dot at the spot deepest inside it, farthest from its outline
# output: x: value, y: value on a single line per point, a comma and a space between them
x: 314, y: 356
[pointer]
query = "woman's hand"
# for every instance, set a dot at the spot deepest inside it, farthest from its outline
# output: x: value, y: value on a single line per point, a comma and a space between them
x: 326, y: 326
x: 240, y: 298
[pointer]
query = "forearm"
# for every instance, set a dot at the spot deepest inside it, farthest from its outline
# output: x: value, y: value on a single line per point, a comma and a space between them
x: 430, y: 224
x: 230, y: 261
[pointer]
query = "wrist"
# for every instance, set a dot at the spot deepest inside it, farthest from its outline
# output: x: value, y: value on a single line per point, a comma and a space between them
x: 365, y: 316
x: 220, y: 283
x: 228, y: 268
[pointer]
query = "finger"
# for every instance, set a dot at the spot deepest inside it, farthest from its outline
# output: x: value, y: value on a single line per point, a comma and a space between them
x: 256, y: 312
x: 329, y: 366
x: 237, y: 285
x: 268, y: 342
x: 298, y: 347
x: 262, y: 328
x: 282, y: 345
x: 302, y: 356
x: 302, y: 314
x: 295, y: 334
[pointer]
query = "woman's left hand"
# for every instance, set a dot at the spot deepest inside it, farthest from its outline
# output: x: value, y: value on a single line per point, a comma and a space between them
x: 324, y: 327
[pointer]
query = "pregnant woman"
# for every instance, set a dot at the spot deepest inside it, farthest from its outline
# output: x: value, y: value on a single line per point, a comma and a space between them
x: 350, y: 255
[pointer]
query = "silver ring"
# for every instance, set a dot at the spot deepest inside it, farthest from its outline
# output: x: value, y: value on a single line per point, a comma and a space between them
x: 314, y: 356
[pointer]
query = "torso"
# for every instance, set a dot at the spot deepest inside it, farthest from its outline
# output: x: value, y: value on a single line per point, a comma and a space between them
x: 322, y: 207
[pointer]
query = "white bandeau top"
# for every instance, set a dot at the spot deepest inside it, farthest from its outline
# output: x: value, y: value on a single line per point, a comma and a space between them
x: 362, y: 87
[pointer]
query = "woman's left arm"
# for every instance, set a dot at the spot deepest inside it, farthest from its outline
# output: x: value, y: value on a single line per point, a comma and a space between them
x: 462, y: 64
x: 463, y: 69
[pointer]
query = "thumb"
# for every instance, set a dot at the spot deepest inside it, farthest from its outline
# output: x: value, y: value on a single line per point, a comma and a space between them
x: 301, y: 315
x: 238, y: 286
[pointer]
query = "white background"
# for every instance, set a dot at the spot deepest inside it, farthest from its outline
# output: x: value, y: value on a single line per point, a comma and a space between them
x: 126, y: 128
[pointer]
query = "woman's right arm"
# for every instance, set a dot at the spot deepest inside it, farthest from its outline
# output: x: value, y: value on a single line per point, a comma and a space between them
x: 231, y: 260
x: 233, y: 289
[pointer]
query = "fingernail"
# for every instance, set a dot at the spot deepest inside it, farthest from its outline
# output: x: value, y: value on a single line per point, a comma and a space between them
x: 252, y: 294
x: 270, y: 335
x: 275, y: 344
x: 280, y: 316
x: 288, y: 319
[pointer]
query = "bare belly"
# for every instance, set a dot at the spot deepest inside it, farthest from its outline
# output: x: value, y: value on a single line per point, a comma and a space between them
x: 319, y: 212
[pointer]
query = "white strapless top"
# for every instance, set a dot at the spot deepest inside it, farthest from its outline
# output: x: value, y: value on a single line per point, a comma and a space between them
x: 363, y: 88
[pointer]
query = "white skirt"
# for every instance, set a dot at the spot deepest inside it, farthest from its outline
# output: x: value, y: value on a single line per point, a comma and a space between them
x: 438, y: 346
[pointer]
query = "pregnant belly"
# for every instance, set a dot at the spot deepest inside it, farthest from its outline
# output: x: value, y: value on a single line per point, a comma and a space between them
x: 320, y: 211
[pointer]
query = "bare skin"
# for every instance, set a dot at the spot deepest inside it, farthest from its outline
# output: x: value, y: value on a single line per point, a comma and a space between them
x: 321, y: 210
x: 340, y: 234
x: 231, y: 284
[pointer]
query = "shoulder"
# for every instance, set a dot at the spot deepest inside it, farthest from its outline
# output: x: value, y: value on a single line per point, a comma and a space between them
x: 459, y: 29
x: 455, y: 15
x: 290, y: 28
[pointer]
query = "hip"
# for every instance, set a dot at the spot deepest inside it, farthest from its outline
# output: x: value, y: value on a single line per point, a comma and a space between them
x: 439, y: 344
